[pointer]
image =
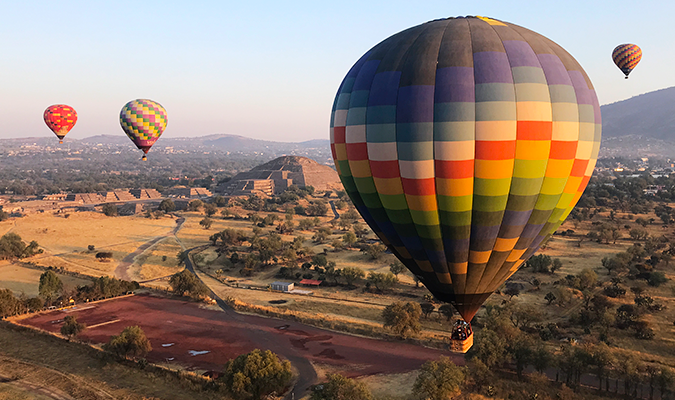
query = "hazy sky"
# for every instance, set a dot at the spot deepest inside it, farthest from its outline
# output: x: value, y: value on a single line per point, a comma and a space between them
x: 269, y: 69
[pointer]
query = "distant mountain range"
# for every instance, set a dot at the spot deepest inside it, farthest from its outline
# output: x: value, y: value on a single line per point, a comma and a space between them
x: 223, y: 142
x: 642, y: 126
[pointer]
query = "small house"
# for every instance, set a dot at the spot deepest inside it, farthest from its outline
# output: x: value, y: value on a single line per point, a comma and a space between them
x: 282, y: 286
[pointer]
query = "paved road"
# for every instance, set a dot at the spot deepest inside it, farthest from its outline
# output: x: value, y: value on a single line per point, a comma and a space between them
x: 122, y: 270
x: 306, y: 373
x: 332, y: 206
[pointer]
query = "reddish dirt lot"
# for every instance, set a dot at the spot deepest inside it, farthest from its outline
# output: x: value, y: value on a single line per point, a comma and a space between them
x: 177, y: 327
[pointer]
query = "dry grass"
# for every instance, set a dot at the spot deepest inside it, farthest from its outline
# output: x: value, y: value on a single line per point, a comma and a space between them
x: 20, y: 279
x: 157, y: 261
x: 84, y: 373
x: 391, y: 386
x: 65, y: 240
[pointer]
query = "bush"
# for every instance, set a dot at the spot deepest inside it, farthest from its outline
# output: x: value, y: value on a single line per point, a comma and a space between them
x: 339, y: 387
x: 132, y: 342
x: 109, y: 209
x: 402, y: 318
x: 257, y: 374
x: 167, y: 205
x: 71, y: 327
x: 186, y: 282
x: 656, y: 278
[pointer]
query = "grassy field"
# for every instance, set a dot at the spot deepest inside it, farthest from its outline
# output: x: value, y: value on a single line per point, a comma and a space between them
x: 81, y: 372
x: 157, y: 261
x: 20, y: 279
x: 65, y: 242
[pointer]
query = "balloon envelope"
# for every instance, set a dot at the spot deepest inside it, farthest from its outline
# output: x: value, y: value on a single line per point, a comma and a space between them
x: 60, y: 118
x: 143, y: 121
x: 626, y: 57
x: 465, y: 143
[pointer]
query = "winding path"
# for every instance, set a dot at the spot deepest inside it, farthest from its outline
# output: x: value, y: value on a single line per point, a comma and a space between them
x: 122, y: 270
x: 307, y: 375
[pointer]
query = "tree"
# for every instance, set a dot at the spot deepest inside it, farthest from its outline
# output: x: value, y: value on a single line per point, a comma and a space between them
x: 186, y: 282
x: 602, y: 359
x: 511, y: 291
x: 109, y: 209
x: 206, y: 223
x: 71, y: 327
x: 167, y: 205
x: 447, y: 310
x: 402, y: 318
x: 427, y: 309
x: 539, y: 263
x: 257, y: 374
x: 523, y: 315
x: 520, y: 350
x: 382, y: 281
x: 587, y: 279
x: 132, y: 342
x: 550, y: 298
x: 638, y: 233
x: 439, y: 380
x: 489, y: 347
x: 210, y: 209
x: 320, y: 260
x: 195, y: 205
x: 340, y: 388
x: 50, y: 286
x: 396, y: 267
x: 374, y: 250
x: 349, y: 238
x: 12, y: 247
x: 351, y: 274
x: 9, y: 304
x: 557, y: 264
x: 541, y: 358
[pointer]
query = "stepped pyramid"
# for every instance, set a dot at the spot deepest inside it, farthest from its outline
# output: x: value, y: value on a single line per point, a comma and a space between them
x: 278, y: 174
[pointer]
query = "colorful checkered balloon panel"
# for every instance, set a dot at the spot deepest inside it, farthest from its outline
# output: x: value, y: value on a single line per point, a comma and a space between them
x: 60, y: 118
x: 464, y: 143
x: 626, y: 57
x: 143, y: 121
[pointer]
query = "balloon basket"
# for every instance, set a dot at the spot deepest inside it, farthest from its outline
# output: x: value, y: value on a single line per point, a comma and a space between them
x: 60, y: 141
x: 461, y: 338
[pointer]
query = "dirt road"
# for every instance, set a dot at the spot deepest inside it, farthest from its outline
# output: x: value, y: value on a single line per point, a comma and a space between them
x: 122, y: 270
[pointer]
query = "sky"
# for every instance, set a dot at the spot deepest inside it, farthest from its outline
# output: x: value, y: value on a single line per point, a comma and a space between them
x: 269, y: 69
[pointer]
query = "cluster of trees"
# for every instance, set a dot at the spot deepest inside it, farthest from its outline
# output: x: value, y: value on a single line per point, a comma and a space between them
x: 104, y: 287
x: 504, y: 340
x: 90, y: 171
x: 437, y: 380
x: 12, y: 247
x: 185, y: 282
x: 51, y: 291
x: 11, y: 305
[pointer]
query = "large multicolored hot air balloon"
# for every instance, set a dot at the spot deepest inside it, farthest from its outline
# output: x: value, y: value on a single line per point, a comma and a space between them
x: 465, y: 143
x: 60, y: 118
x: 143, y: 121
x: 626, y: 57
